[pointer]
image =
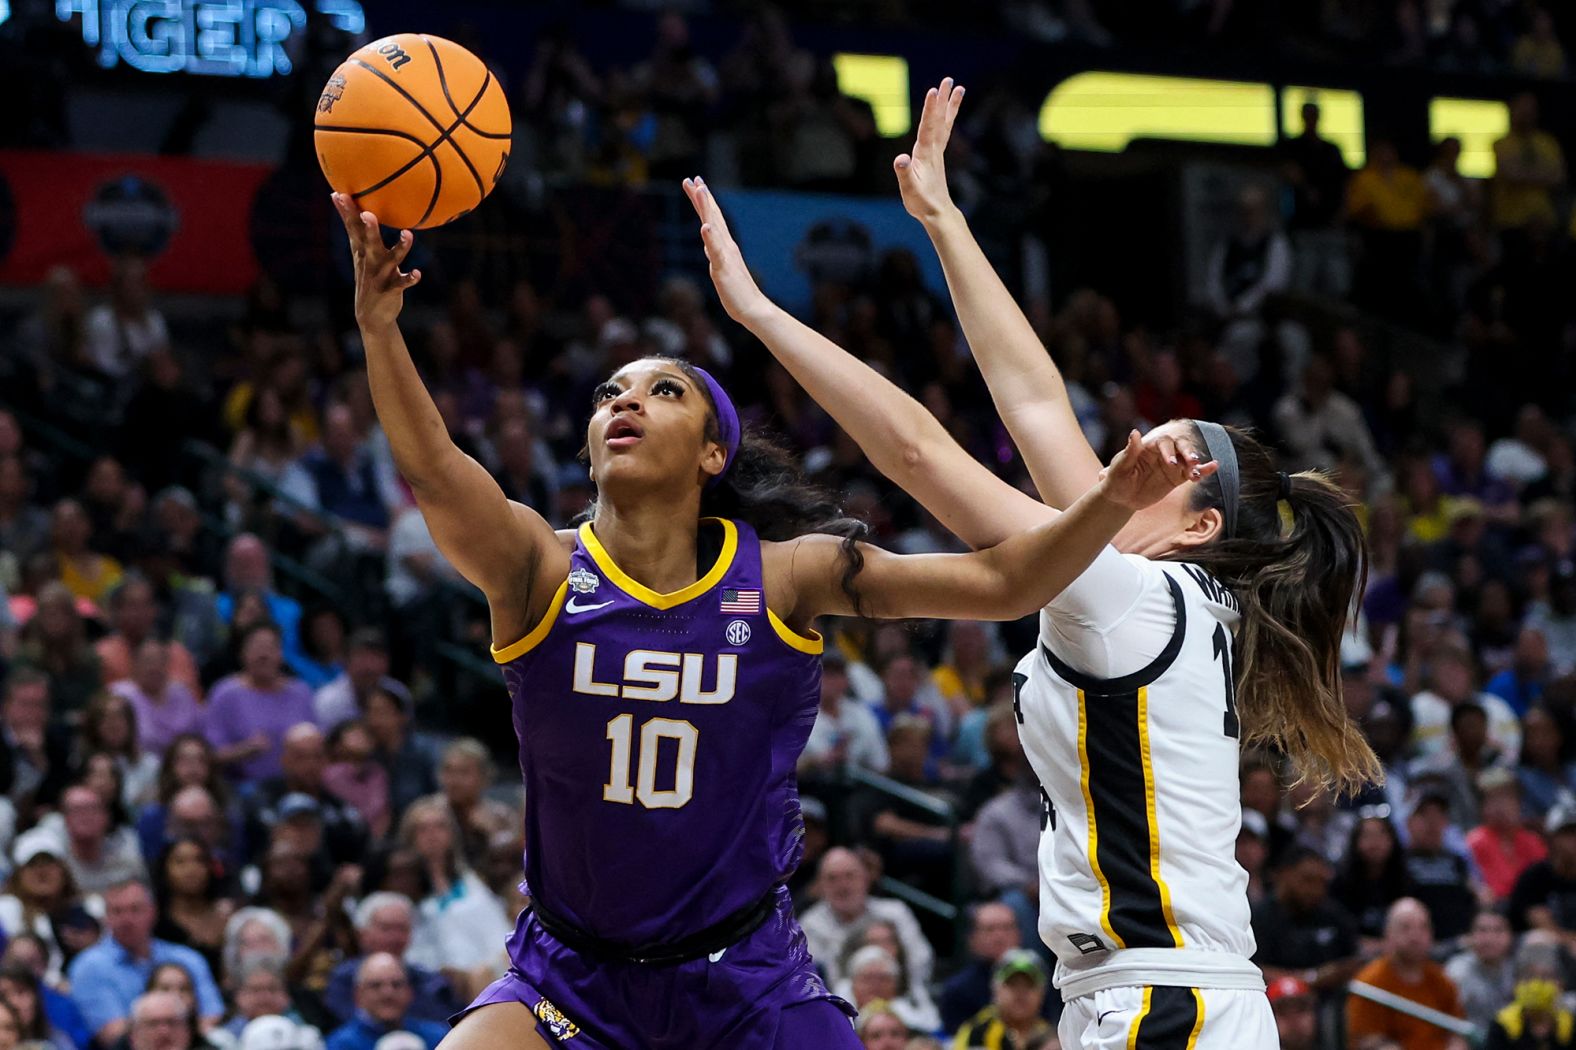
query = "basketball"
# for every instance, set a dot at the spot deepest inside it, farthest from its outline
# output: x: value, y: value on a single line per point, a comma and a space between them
x: 415, y: 128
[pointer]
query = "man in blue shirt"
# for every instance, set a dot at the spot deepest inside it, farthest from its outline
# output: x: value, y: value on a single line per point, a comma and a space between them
x: 109, y: 976
x: 383, y: 998
x: 384, y: 922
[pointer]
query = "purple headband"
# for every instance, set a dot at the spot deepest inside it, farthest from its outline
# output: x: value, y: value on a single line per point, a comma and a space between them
x: 727, y: 421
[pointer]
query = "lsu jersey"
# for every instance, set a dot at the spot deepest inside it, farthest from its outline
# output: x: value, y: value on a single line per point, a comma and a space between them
x: 1139, y: 883
x: 658, y: 738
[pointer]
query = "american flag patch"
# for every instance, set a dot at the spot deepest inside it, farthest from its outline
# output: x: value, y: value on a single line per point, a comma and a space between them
x: 741, y: 601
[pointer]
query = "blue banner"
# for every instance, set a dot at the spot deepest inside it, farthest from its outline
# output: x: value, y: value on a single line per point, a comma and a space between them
x: 788, y: 238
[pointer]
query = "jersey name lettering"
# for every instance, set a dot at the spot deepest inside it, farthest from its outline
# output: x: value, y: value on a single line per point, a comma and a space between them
x: 1212, y: 588
x: 658, y: 676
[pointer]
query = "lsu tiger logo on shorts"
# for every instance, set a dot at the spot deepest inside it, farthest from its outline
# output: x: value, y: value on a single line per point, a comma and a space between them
x: 558, y: 1026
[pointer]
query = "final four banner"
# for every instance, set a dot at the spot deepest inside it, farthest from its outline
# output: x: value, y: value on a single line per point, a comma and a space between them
x: 189, y: 218
x: 790, y: 238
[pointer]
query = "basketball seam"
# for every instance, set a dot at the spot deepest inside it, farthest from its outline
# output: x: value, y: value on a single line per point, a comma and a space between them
x: 443, y: 82
x: 429, y: 151
x: 371, y: 131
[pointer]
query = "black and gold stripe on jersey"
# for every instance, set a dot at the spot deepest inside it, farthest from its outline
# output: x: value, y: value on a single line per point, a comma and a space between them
x: 1117, y: 778
x: 1170, y: 1019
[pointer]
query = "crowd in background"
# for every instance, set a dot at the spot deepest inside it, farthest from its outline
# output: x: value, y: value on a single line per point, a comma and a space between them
x: 227, y: 798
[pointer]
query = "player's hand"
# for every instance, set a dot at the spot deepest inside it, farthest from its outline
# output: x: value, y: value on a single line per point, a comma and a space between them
x: 922, y: 175
x: 741, y: 297
x: 380, y: 283
x: 1148, y: 468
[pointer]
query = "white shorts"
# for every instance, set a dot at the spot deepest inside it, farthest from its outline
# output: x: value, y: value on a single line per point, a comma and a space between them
x: 1169, y: 1018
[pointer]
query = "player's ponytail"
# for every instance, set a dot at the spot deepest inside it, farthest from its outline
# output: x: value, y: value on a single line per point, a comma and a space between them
x: 1295, y: 576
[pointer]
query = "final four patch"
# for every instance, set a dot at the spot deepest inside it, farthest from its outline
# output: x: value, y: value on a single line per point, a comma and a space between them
x: 583, y: 582
x: 558, y: 1026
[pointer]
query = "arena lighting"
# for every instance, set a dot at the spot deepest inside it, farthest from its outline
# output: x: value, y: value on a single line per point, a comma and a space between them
x: 1340, y: 119
x: 223, y: 38
x: 882, y: 81
x: 1103, y: 112
x: 1478, y: 123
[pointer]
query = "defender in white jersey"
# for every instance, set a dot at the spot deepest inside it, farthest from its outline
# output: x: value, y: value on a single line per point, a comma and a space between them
x: 1214, y: 619
x: 1139, y: 883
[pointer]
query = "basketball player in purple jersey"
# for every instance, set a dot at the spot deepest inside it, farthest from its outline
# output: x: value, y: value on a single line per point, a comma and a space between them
x: 664, y: 677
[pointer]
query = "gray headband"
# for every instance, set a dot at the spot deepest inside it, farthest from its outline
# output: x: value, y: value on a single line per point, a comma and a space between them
x: 1222, y: 451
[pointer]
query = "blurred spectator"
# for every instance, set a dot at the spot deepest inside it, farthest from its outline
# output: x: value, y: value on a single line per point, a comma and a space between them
x: 366, y: 669
x: 109, y: 728
x: 1484, y: 971
x: 323, y: 642
x: 874, y: 976
x: 880, y: 1028
x: 1436, y: 874
x: 845, y: 733
x: 1251, y: 265
x: 1544, y: 897
x: 1013, y: 1017
x: 1440, y: 726
x: 34, y: 760
x: 1405, y: 970
x: 1252, y: 853
x: 1317, y: 173
x: 1535, y: 1017
x: 346, y: 484
x: 843, y: 884
x: 1502, y: 847
x: 465, y: 774
x: 1387, y: 202
x: 246, y: 569
x: 383, y: 1001
x: 39, y: 891
x: 1373, y: 873
x: 303, y: 759
x: 407, y: 756
x: 164, y: 707
x: 1538, y: 52
x: 98, y: 855
x: 119, y: 334
x: 384, y: 925
x: 258, y: 989
x: 110, y: 975
x: 1318, y: 424
x: 1522, y: 683
x: 993, y: 930
x: 55, y: 642
x: 21, y: 989
x: 133, y: 616
x: 1300, y: 932
x: 462, y: 926
x: 249, y: 712
x: 190, y: 894
x: 1296, y: 1013
x: 1004, y: 851
x: 354, y: 777
x: 1544, y: 776
x: 24, y: 526
x: 160, y: 1021
x: 1529, y: 168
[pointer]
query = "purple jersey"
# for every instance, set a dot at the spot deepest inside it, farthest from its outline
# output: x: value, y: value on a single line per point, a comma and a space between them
x: 658, y: 739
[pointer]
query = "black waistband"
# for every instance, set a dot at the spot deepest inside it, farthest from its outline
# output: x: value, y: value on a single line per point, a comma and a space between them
x: 723, y: 934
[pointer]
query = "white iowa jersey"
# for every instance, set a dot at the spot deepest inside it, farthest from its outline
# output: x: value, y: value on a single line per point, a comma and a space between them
x: 1139, y: 773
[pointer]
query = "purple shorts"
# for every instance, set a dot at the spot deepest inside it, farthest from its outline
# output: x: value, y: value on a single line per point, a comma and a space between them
x: 743, y: 998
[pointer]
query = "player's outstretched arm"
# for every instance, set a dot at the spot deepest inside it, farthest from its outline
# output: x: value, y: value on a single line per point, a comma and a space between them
x: 498, y: 545
x: 1024, y: 382
x: 1012, y: 579
x: 897, y: 434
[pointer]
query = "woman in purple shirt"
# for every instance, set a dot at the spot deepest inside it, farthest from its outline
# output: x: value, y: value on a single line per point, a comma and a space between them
x: 249, y: 711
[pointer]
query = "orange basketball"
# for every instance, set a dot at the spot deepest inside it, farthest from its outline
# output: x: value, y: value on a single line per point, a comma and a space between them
x: 415, y: 128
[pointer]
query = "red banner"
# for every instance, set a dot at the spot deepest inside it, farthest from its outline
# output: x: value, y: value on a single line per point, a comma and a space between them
x: 189, y: 218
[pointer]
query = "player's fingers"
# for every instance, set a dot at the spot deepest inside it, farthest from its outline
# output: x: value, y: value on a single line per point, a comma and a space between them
x: 1168, y: 450
x: 348, y: 216
x: 954, y: 103
x: 713, y: 213
x: 901, y: 163
x: 692, y: 191
x: 408, y: 281
x: 402, y: 247
x: 925, y: 133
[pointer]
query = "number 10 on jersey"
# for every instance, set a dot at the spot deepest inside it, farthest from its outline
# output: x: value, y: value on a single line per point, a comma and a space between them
x: 621, y: 735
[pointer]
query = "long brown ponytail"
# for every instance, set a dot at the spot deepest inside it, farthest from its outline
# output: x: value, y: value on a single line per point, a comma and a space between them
x: 1295, y: 586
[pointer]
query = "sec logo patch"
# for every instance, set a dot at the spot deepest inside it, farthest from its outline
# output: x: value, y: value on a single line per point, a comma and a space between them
x: 738, y: 632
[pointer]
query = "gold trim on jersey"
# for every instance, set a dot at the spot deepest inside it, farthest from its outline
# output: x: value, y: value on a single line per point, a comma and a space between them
x: 656, y: 599
x: 810, y: 642
x: 1198, y: 1025
x: 1138, y: 1022
x: 515, y: 650
x: 1154, y: 823
x: 1094, y: 833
